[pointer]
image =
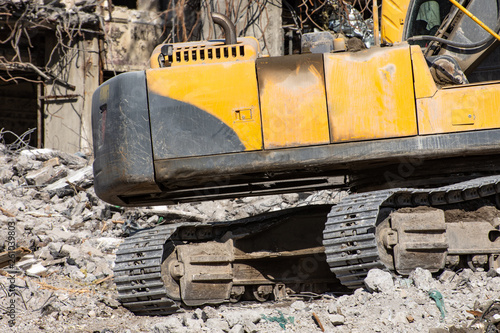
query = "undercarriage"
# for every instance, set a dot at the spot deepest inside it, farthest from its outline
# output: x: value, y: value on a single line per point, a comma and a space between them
x: 311, y: 249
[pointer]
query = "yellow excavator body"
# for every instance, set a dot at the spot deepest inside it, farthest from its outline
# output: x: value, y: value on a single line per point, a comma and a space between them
x: 411, y: 125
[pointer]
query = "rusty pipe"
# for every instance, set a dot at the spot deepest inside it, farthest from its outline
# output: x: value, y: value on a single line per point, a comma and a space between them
x: 229, y: 29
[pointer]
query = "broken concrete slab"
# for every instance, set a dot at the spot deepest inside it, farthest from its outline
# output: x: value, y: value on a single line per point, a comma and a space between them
x: 71, y: 183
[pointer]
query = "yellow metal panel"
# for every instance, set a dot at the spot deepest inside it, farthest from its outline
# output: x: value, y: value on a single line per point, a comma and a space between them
x: 370, y: 94
x: 293, y: 101
x: 460, y: 108
x: 424, y: 83
x: 393, y: 19
x: 227, y: 91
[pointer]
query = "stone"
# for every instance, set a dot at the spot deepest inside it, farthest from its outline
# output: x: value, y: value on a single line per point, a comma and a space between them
x: 199, y: 314
x: 37, y: 269
x: 232, y: 317
x: 40, y: 176
x: 55, y: 248
x: 89, y: 278
x: 90, y: 250
x: 422, y: 279
x: 217, y: 324
x: 6, y: 175
x: 44, y: 253
x: 237, y: 329
x: 102, y: 269
x: 332, y: 307
x: 400, y: 318
x: 253, y: 316
x: 106, y: 244
x: 493, y: 284
x: 58, y: 235
x: 52, y: 162
x: 378, y: 280
x: 298, y: 305
x: 447, y: 276
x: 194, y: 325
x: 74, y: 255
x: 25, y: 164
x: 209, y: 313
x: 74, y: 272
x: 110, y: 302
x: 152, y: 220
x: 337, y: 319
x: 80, y: 178
x: 250, y: 327
x: 42, y: 154
x: 26, y: 261
x: 169, y: 324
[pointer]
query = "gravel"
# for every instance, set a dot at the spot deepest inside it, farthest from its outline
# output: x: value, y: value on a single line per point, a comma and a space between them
x: 66, y: 283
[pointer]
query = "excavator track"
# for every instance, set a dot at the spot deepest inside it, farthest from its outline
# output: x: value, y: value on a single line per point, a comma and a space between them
x: 349, y: 239
x: 138, y: 272
x: 350, y: 231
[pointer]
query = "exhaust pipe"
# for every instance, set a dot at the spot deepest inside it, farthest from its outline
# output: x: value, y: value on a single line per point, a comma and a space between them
x: 229, y: 29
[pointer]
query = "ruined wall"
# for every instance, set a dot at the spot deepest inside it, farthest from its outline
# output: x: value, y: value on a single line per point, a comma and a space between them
x: 67, y: 110
x: 54, y: 54
x: 262, y: 20
x: 131, y: 35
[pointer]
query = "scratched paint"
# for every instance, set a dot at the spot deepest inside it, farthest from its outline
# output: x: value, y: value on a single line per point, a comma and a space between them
x: 370, y: 94
x: 293, y: 101
x: 459, y: 108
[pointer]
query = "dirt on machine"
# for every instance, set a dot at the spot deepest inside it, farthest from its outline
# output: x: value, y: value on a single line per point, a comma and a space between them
x: 410, y: 126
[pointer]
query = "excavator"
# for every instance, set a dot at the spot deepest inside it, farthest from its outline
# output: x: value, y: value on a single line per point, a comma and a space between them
x: 410, y: 126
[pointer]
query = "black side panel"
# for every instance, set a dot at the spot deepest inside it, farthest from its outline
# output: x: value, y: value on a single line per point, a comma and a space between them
x: 180, y: 129
x: 122, y: 138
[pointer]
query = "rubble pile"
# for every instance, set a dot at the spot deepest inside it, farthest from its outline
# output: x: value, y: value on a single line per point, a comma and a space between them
x: 67, y: 239
x: 43, y: 13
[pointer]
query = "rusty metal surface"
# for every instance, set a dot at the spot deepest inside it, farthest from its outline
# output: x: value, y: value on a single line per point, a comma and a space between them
x: 293, y: 101
x: 421, y: 241
x: 472, y: 237
x: 207, y: 272
x: 193, y: 264
x: 353, y: 246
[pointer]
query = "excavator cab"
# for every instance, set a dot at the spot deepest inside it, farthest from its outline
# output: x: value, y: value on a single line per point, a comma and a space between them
x: 426, y: 17
x: 445, y: 32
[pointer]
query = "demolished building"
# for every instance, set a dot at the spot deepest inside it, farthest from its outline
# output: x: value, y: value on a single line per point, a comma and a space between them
x: 55, y: 53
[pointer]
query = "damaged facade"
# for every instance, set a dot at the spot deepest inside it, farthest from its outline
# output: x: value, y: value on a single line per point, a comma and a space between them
x: 55, y: 53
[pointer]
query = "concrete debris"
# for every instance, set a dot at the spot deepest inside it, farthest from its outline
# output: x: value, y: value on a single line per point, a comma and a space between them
x: 422, y: 279
x: 379, y: 281
x: 66, y: 283
x: 36, y: 269
x: 337, y: 319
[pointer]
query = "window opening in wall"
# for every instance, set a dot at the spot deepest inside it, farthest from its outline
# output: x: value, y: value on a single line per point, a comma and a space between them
x: 19, y: 115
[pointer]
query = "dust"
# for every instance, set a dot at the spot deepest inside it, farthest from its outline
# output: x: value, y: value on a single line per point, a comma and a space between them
x: 485, y: 213
x: 469, y: 213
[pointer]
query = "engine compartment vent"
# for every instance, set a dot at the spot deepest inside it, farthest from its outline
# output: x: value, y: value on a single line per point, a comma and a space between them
x: 201, y: 54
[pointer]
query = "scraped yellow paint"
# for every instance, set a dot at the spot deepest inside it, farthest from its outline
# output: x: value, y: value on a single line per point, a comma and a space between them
x: 370, y: 94
x: 227, y: 91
